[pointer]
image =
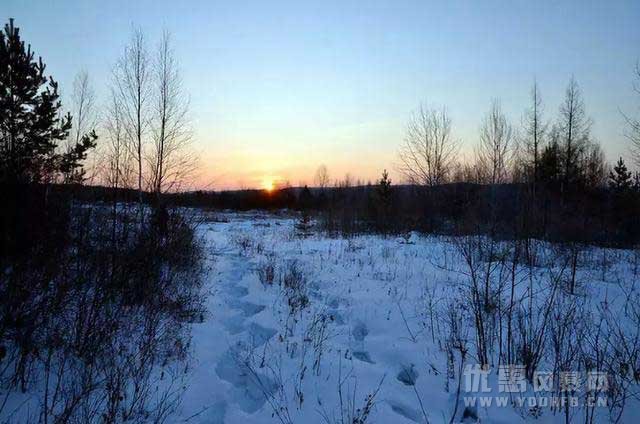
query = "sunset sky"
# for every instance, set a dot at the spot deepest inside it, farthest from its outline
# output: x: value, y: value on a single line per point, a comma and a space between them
x: 279, y: 87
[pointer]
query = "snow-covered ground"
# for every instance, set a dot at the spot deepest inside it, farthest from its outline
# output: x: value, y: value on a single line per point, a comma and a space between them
x: 345, y: 323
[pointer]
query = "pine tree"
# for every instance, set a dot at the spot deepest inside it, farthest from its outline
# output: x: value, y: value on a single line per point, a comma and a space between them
x: 550, y: 165
x: 31, y: 130
x: 384, y: 202
x: 31, y: 126
x: 383, y: 189
x: 305, y: 202
x: 620, y: 179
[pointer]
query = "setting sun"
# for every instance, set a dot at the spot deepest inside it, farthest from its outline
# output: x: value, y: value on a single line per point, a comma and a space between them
x: 268, y: 184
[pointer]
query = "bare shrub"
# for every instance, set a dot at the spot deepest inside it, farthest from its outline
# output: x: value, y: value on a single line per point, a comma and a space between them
x: 267, y: 270
x: 102, y: 323
x: 348, y: 409
x: 294, y: 283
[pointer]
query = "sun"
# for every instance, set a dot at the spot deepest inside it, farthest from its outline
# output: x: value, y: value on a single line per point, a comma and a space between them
x: 268, y: 185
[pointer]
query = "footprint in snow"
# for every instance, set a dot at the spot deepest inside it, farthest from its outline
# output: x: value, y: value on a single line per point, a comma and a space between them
x: 408, y: 375
x: 250, y: 389
x: 234, y: 324
x: 236, y: 291
x: 406, y: 411
x: 260, y: 335
x: 363, y: 356
x: 248, y: 309
x: 214, y: 414
x: 359, y: 331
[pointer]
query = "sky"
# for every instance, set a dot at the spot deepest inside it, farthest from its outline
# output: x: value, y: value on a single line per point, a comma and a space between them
x: 278, y: 88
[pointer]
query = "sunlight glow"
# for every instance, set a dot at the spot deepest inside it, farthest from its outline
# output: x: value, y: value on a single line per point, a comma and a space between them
x: 268, y: 184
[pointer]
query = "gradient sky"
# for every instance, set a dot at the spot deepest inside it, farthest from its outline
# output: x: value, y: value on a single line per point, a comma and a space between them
x: 280, y: 87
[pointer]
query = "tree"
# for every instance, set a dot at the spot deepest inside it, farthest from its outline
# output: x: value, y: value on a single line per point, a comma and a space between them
x: 321, y: 178
x: 550, y: 164
x: 574, y: 127
x: 383, y: 197
x: 171, y: 161
x: 495, y: 149
x: 634, y: 123
x: 620, y: 179
x: 85, y: 117
x: 118, y: 161
x: 383, y: 189
x: 32, y: 132
x: 132, y: 79
x: 429, y: 148
x: 594, y: 166
x: 534, y: 133
x: 31, y: 127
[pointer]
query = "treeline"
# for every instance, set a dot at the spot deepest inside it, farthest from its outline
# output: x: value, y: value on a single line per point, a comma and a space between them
x: 603, y: 215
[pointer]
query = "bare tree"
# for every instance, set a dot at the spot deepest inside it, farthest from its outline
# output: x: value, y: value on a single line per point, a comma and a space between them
x: 495, y: 152
x: 429, y: 148
x: 633, y: 132
x: 117, y: 163
x: 84, y: 109
x: 321, y: 178
x: 132, y: 81
x: 594, y: 165
x: 85, y: 120
x: 534, y: 132
x: 575, y: 128
x: 171, y: 160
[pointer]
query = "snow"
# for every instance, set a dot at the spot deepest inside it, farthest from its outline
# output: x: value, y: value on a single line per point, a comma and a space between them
x: 353, y: 321
x: 365, y: 339
x: 253, y: 358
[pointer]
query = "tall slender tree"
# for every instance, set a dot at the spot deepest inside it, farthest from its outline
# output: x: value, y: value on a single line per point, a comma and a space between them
x: 171, y: 159
x: 574, y: 127
x: 85, y: 120
x: 534, y: 133
x: 633, y: 132
x: 132, y: 79
x: 495, y: 151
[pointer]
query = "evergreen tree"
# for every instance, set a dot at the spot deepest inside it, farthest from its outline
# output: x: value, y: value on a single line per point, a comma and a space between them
x: 306, y: 200
x: 550, y: 164
x: 305, y: 203
x: 31, y: 126
x: 384, y: 202
x: 620, y: 179
x: 383, y: 189
x: 32, y: 130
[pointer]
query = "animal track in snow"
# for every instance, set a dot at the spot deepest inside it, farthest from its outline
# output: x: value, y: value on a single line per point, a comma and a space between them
x: 408, y: 375
x: 359, y: 331
x: 406, y: 411
x: 249, y: 388
x: 363, y: 356
x: 248, y: 309
x: 260, y: 335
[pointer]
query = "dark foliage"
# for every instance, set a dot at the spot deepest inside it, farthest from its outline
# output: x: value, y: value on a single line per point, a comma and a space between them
x: 94, y: 305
